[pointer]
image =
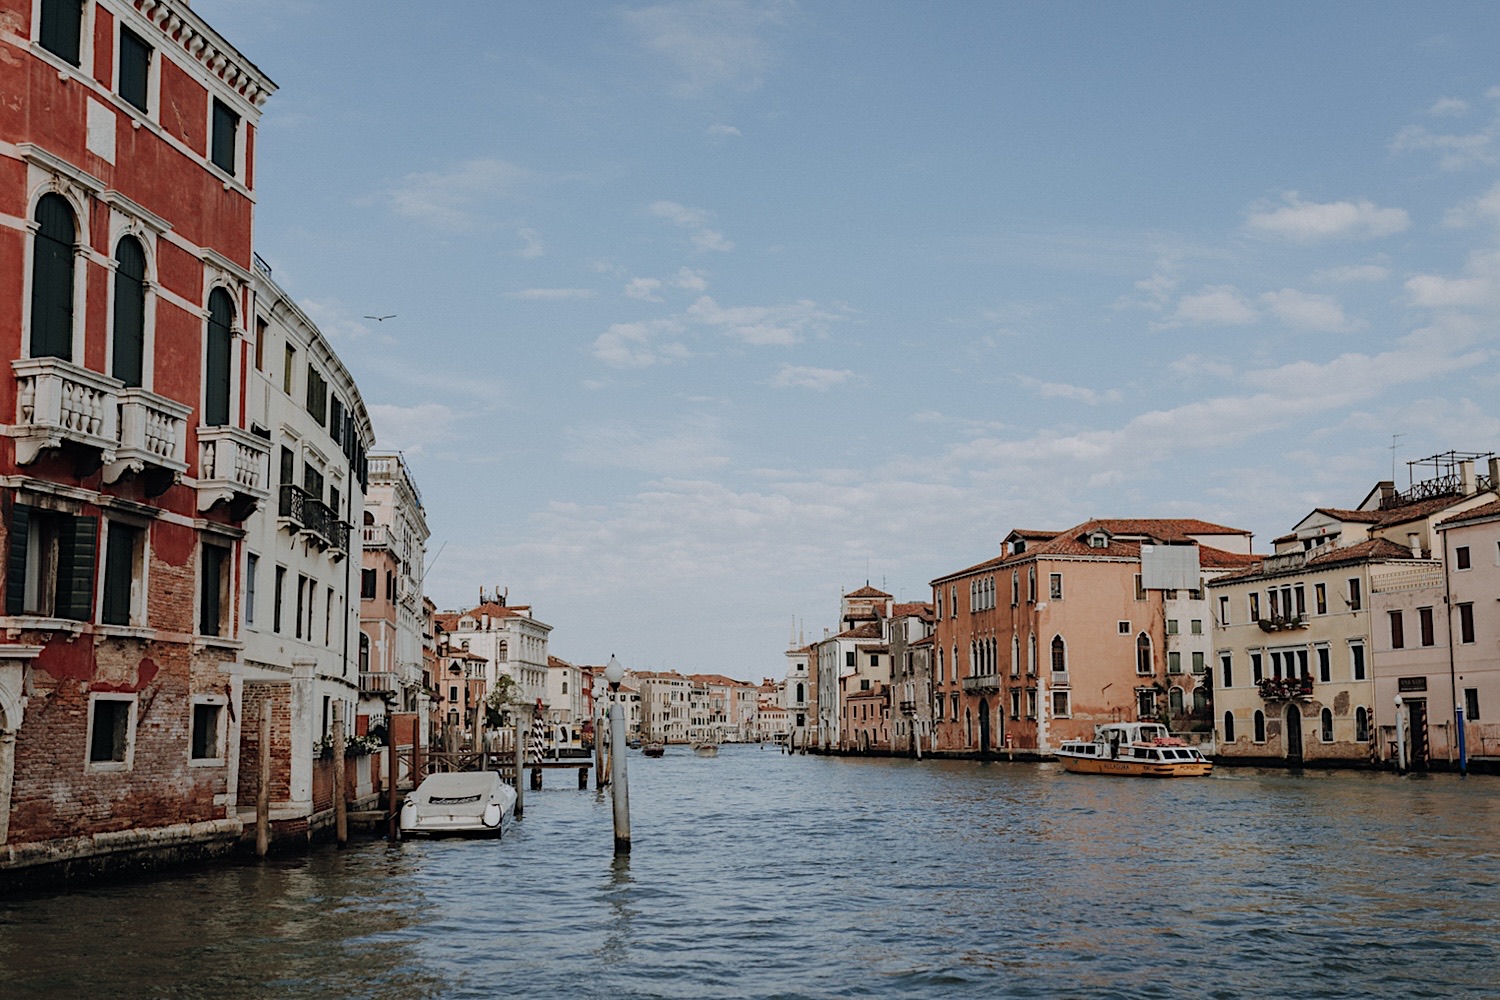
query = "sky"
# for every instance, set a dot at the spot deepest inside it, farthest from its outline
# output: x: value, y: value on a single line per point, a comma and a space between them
x: 705, y: 313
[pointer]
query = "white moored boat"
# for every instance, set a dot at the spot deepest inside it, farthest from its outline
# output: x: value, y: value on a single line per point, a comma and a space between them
x: 1133, y: 749
x: 459, y: 802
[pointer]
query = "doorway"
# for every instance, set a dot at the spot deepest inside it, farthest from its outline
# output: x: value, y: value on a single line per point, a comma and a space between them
x: 1420, y: 748
x: 984, y: 726
x: 1293, y: 733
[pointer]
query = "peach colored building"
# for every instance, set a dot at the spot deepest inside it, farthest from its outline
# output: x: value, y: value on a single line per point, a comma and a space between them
x: 1067, y: 630
x: 867, y: 717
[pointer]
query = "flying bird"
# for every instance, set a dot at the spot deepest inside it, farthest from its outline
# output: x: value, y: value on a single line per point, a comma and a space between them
x: 381, y: 319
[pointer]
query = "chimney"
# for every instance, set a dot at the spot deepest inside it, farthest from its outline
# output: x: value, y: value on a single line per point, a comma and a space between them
x: 1414, y: 542
x: 1495, y: 475
x: 485, y: 622
x: 1387, y: 491
x: 1466, y: 477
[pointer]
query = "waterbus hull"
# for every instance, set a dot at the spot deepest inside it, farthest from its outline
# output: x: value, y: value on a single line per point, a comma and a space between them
x: 1135, y: 768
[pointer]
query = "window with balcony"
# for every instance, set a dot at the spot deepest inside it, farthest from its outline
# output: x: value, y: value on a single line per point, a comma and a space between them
x: 1059, y: 655
x: 52, y: 278
x: 216, y: 359
x: 129, y: 335
x: 50, y: 565
x: 61, y: 29
x: 134, y: 82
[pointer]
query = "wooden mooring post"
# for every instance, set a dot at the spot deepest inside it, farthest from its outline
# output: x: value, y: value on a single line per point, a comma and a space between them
x: 263, y: 793
x: 393, y: 812
x: 340, y: 802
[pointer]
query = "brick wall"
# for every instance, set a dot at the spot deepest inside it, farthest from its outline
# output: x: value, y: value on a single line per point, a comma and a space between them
x: 256, y: 692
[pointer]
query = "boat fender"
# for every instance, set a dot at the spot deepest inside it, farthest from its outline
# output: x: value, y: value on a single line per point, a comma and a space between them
x: 408, y: 814
x: 492, y: 814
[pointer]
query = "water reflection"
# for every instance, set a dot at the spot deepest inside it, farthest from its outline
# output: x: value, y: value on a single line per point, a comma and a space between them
x: 757, y: 874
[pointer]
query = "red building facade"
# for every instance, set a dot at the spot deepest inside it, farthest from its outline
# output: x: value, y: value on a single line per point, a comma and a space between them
x: 127, y: 139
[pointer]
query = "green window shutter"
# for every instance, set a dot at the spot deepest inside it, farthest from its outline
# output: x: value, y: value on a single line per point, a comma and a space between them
x: 77, y: 544
x: 209, y: 604
x: 226, y: 126
x: 52, y: 279
x: 62, y: 28
x: 216, y: 359
x: 135, y: 66
x: 15, y: 562
x: 119, y: 574
x: 130, y: 312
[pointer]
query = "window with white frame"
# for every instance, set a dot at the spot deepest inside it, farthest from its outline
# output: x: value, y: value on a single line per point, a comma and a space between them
x: 208, y: 730
x: 111, y: 732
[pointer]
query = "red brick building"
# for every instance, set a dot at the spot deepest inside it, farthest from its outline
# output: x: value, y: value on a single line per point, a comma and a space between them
x: 127, y: 141
x: 1066, y: 630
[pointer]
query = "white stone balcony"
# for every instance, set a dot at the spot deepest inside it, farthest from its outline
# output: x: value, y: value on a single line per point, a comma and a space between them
x: 58, y: 401
x: 982, y: 683
x: 233, y: 465
x: 153, y: 432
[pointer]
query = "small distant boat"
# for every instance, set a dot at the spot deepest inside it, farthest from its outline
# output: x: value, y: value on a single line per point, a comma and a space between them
x: 653, y: 750
x: 1133, y: 749
x: 706, y: 747
x: 474, y: 803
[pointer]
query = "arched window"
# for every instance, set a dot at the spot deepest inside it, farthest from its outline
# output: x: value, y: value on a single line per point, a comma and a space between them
x: 504, y: 652
x: 1143, y: 658
x: 1015, y: 655
x: 801, y: 694
x: 364, y: 653
x: 1031, y: 653
x: 216, y: 359
x: 1174, y: 700
x: 1327, y: 725
x: 1228, y: 727
x: 1362, y: 725
x: 1059, y: 655
x: 1260, y: 726
x: 1200, y: 700
x: 52, y: 279
x: 129, y: 359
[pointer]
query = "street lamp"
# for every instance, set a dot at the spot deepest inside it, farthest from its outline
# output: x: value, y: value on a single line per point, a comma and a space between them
x: 614, y: 674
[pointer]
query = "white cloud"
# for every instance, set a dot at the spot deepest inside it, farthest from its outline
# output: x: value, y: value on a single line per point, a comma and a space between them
x: 531, y: 243
x: 1074, y: 393
x: 1449, y: 107
x: 723, y: 131
x: 1456, y: 151
x: 1308, y: 222
x: 332, y: 319
x: 1308, y: 312
x: 644, y: 289
x: 690, y: 280
x: 711, y: 43
x: 803, y: 377
x: 412, y: 429
x: 639, y: 345
x: 551, y: 294
x: 1214, y: 305
x: 453, y: 199
x: 1353, y: 273
x: 1485, y: 208
x: 691, y: 447
x: 761, y: 325
x: 695, y: 219
x: 1478, y: 288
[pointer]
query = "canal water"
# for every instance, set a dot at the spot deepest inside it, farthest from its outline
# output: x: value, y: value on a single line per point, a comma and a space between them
x: 762, y: 875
